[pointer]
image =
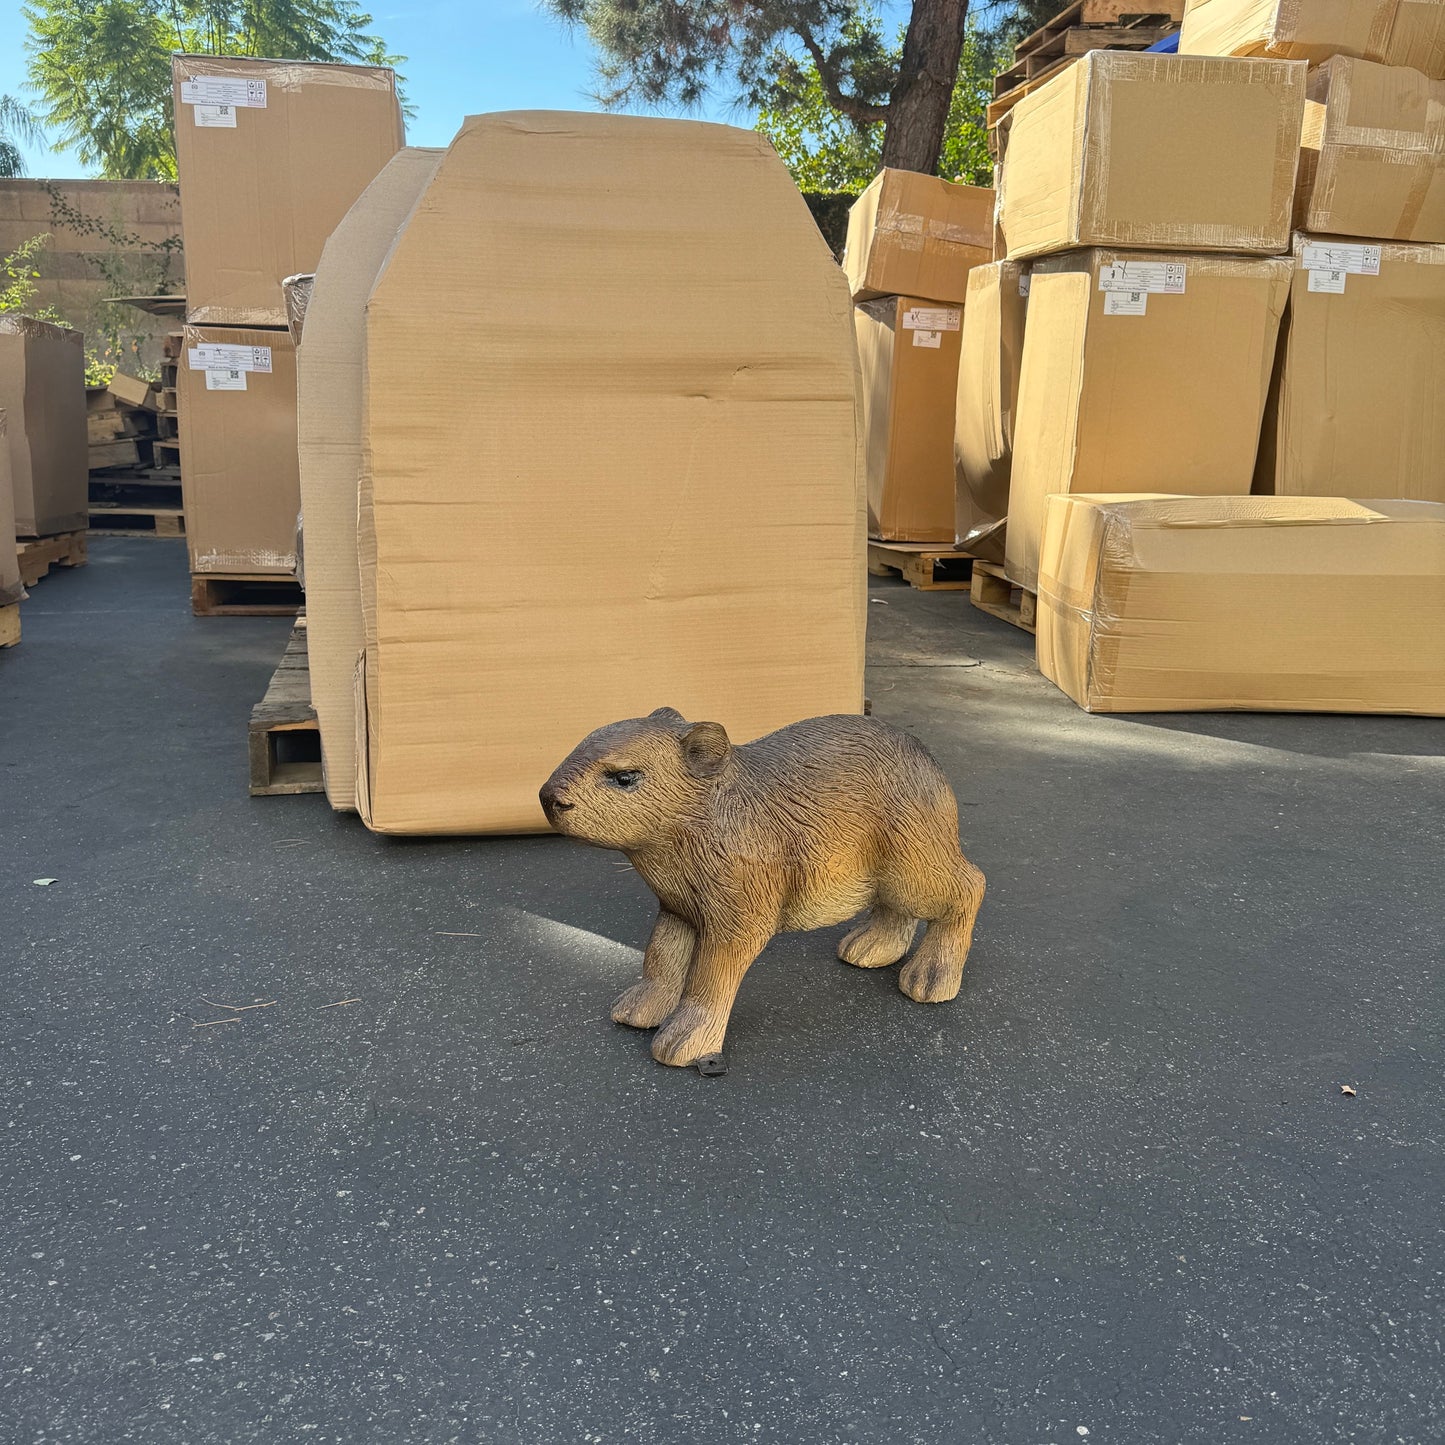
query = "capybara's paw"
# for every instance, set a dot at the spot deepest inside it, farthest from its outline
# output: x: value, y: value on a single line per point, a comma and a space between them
x: 929, y: 978
x: 644, y: 1005
x: 876, y: 943
x: 689, y: 1033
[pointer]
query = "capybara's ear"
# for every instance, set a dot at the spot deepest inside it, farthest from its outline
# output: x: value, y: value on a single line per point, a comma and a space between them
x: 705, y: 749
x: 665, y: 714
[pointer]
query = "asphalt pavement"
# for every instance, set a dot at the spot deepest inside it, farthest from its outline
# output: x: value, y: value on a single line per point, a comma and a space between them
x: 1113, y: 1193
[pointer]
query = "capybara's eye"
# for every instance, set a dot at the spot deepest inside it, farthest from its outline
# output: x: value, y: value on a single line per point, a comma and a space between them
x: 627, y: 779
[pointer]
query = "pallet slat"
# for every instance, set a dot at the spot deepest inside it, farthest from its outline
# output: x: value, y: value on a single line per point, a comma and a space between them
x: 124, y: 521
x: 993, y: 593
x: 284, y: 739
x: 238, y: 596
x: 10, y: 625
x: 935, y: 568
x: 37, y: 555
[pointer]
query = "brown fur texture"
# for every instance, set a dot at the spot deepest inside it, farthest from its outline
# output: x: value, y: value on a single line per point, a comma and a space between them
x: 803, y: 828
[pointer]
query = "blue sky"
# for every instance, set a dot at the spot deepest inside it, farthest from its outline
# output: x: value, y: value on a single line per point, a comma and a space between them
x: 464, y: 56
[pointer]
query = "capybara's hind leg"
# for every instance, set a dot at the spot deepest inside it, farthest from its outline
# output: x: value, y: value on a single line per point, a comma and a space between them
x: 664, y: 971
x: 880, y: 940
x: 935, y: 972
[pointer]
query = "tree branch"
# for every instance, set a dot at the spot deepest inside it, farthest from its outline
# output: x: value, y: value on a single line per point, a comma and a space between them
x: 862, y: 111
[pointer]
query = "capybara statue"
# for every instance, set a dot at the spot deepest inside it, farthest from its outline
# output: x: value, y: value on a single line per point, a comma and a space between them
x: 803, y: 828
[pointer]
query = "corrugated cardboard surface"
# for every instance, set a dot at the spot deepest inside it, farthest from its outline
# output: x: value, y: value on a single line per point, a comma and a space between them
x: 238, y: 459
x: 1281, y: 604
x: 329, y: 421
x: 1359, y: 399
x: 11, y: 588
x: 1373, y: 159
x: 1170, y: 400
x: 42, y: 392
x: 908, y: 348
x: 988, y: 378
x: 916, y: 235
x: 260, y: 196
x: 612, y: 460
x: 1394, y: 32
x: 1159, y: 151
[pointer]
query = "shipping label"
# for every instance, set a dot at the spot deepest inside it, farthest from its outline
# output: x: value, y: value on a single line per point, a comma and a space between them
x: 1166, y: 277
x: 1343, y: 256
x: 231, y: 90
x: 225, y: 381
x: 932, y: 318
x: 1126, y: 303
x: 928, y: 338
x: 1332, y: 282
x: 215, y: 115
x: 210, y: 356
x: 1024, y: 285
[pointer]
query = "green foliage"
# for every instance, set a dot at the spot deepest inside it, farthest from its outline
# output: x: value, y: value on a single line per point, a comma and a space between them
x: 16, y: 125
x: 18, y: 276
x: 103, y: 68
x: 826, y: 151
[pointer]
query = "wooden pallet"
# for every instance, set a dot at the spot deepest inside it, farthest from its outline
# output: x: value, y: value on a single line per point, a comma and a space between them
x: 993, y: 593
x: 122, y: 521
x: 1115, y: 13
x: 930, y: 568
x: 39, y: 554
x: 236, y: 595
x: 10, y: 625
x: 285, y: 742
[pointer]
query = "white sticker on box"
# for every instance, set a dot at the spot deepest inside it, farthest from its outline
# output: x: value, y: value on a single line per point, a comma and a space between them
x: 1166, y: 277
x: 215, y: 115
x: 1024, y: 285
x: 1126, y: 303
x: 225, y: 381
x: 1344, y: 256
x: 211, y: 356
x: 224, y: 90
x: 928, y: 338
x: 932, y: 318
x: 1331, y: 281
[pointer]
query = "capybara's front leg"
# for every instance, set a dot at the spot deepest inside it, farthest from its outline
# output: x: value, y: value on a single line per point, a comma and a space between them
x: 664, y: 971
x: 697, y: 1026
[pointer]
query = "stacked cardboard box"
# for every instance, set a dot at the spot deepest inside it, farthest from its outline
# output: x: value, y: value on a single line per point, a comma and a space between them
x: 991, y: 353
x: 631, y: 478
x: 270, y: 156
x: 11, y: 588
x: 1152, y: 195
x: 912, y: 242
x: 42, y: 391
x: 1298, y: 604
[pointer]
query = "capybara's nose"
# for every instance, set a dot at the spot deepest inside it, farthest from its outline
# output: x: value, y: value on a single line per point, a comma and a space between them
x: 552, y: 800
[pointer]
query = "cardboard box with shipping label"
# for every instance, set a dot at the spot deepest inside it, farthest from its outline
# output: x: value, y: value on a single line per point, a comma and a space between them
x: 992, y: 346
x: 916, y: 235
x: 1158, y: 151
x: 329, y: 423
x: 908, y: 348
x: 1142, y: 372
x: 1372, y: 160
x: 632, y: 478
x: 42, y: 392
x: 1358, y: 401
x: 1275, y: 604
x: 237, y: 395
x: 270, y: 155
x: 1393, y: 32
x: 11, y: 588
